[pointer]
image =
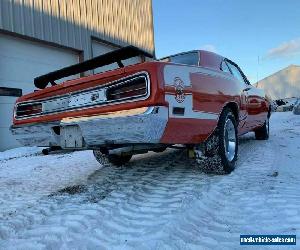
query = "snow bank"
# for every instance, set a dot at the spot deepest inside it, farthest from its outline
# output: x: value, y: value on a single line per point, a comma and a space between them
x: 296, y: 109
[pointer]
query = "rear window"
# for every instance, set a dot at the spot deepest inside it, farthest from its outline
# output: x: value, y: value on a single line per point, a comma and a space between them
x: 190, y: 58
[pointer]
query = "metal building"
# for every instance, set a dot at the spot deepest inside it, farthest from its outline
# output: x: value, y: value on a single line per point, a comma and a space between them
x: 39, y: 36
x: 282, y: 84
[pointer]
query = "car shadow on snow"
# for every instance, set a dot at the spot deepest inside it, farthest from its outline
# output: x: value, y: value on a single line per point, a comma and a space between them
x: 143, y: 171
x: 140, y: 172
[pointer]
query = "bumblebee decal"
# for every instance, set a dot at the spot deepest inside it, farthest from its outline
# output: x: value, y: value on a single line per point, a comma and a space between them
x: 179, y: 87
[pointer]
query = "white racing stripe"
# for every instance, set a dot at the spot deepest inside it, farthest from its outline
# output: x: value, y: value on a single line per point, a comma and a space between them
x: 184, y: 72
x: 189, y: 112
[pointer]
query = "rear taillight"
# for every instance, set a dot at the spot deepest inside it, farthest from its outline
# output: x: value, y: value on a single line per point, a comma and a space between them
x: 135, y: 87
x: 29, y: 109
x: 131, y: 88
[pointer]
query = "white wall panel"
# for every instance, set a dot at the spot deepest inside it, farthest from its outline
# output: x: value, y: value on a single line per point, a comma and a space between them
x: 20, y: 62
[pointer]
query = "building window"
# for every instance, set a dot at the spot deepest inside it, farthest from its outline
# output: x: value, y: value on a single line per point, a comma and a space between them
x: 10, y: 92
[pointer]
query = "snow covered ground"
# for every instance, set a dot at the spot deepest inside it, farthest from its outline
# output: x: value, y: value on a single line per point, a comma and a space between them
x: 158, y: 201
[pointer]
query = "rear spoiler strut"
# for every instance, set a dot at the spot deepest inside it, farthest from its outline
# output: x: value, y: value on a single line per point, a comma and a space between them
x: 115, y: 56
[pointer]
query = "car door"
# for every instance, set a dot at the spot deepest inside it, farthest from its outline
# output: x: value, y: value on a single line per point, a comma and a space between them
x: 244, y: 88
x: 252, y: 97
x: 256, y: 106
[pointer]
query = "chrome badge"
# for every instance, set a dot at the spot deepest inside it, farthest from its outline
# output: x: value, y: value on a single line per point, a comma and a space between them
x: 94, y: 97
x: 179, y: 87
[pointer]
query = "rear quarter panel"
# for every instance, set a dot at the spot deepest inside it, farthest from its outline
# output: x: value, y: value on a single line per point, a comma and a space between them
x: 206, y: 92
x: 156, y: 93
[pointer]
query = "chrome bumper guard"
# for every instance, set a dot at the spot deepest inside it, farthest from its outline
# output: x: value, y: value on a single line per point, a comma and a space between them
x: 141, y: 125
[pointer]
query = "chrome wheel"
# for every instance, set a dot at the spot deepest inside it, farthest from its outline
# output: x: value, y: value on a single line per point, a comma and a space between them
x: 219, y: 152
x: 229, y: 140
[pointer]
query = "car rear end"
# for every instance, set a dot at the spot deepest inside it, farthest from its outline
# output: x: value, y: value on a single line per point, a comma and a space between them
x: 122, y: 106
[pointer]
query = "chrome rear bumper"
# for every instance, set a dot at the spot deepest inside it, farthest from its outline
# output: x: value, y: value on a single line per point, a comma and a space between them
x: 142, y: 125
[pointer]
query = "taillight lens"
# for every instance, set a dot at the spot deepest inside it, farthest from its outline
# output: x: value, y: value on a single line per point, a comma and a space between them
x: 130, y: 88
x: 29, y: 109
x: 133, y: 88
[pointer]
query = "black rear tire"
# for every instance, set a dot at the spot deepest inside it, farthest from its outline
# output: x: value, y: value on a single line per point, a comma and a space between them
x: 116, y: 160
x: 119, y: 160
x: 262, y: 133
x: 220, y: 153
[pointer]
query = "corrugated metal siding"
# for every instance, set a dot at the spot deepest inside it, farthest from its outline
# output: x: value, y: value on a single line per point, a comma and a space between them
x: 282, y: 84
x: 71, y: 23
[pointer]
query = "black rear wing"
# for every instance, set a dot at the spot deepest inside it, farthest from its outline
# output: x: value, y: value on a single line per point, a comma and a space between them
x: 115, y: 56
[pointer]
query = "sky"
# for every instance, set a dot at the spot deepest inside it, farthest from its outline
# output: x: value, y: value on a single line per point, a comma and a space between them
x: 262, y: 37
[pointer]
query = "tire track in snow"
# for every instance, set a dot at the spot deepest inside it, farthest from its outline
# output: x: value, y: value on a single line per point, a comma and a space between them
x: 165, y: 201
x: 127, y: 204
x: 250, y: 201
x: 220, y: 216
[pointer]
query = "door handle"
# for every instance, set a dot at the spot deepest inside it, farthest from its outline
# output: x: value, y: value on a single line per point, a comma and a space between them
x: 246, y: 89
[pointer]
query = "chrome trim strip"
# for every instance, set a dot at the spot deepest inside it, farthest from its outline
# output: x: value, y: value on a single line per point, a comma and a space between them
x: 122, y: 113
x: 106, y: 85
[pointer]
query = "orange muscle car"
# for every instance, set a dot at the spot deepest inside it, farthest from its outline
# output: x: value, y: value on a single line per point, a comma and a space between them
x: 198, y: 99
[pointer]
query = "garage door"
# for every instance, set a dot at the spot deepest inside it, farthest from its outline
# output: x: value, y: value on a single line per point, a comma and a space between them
x: 99, y: 48
x: 20, y: 62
